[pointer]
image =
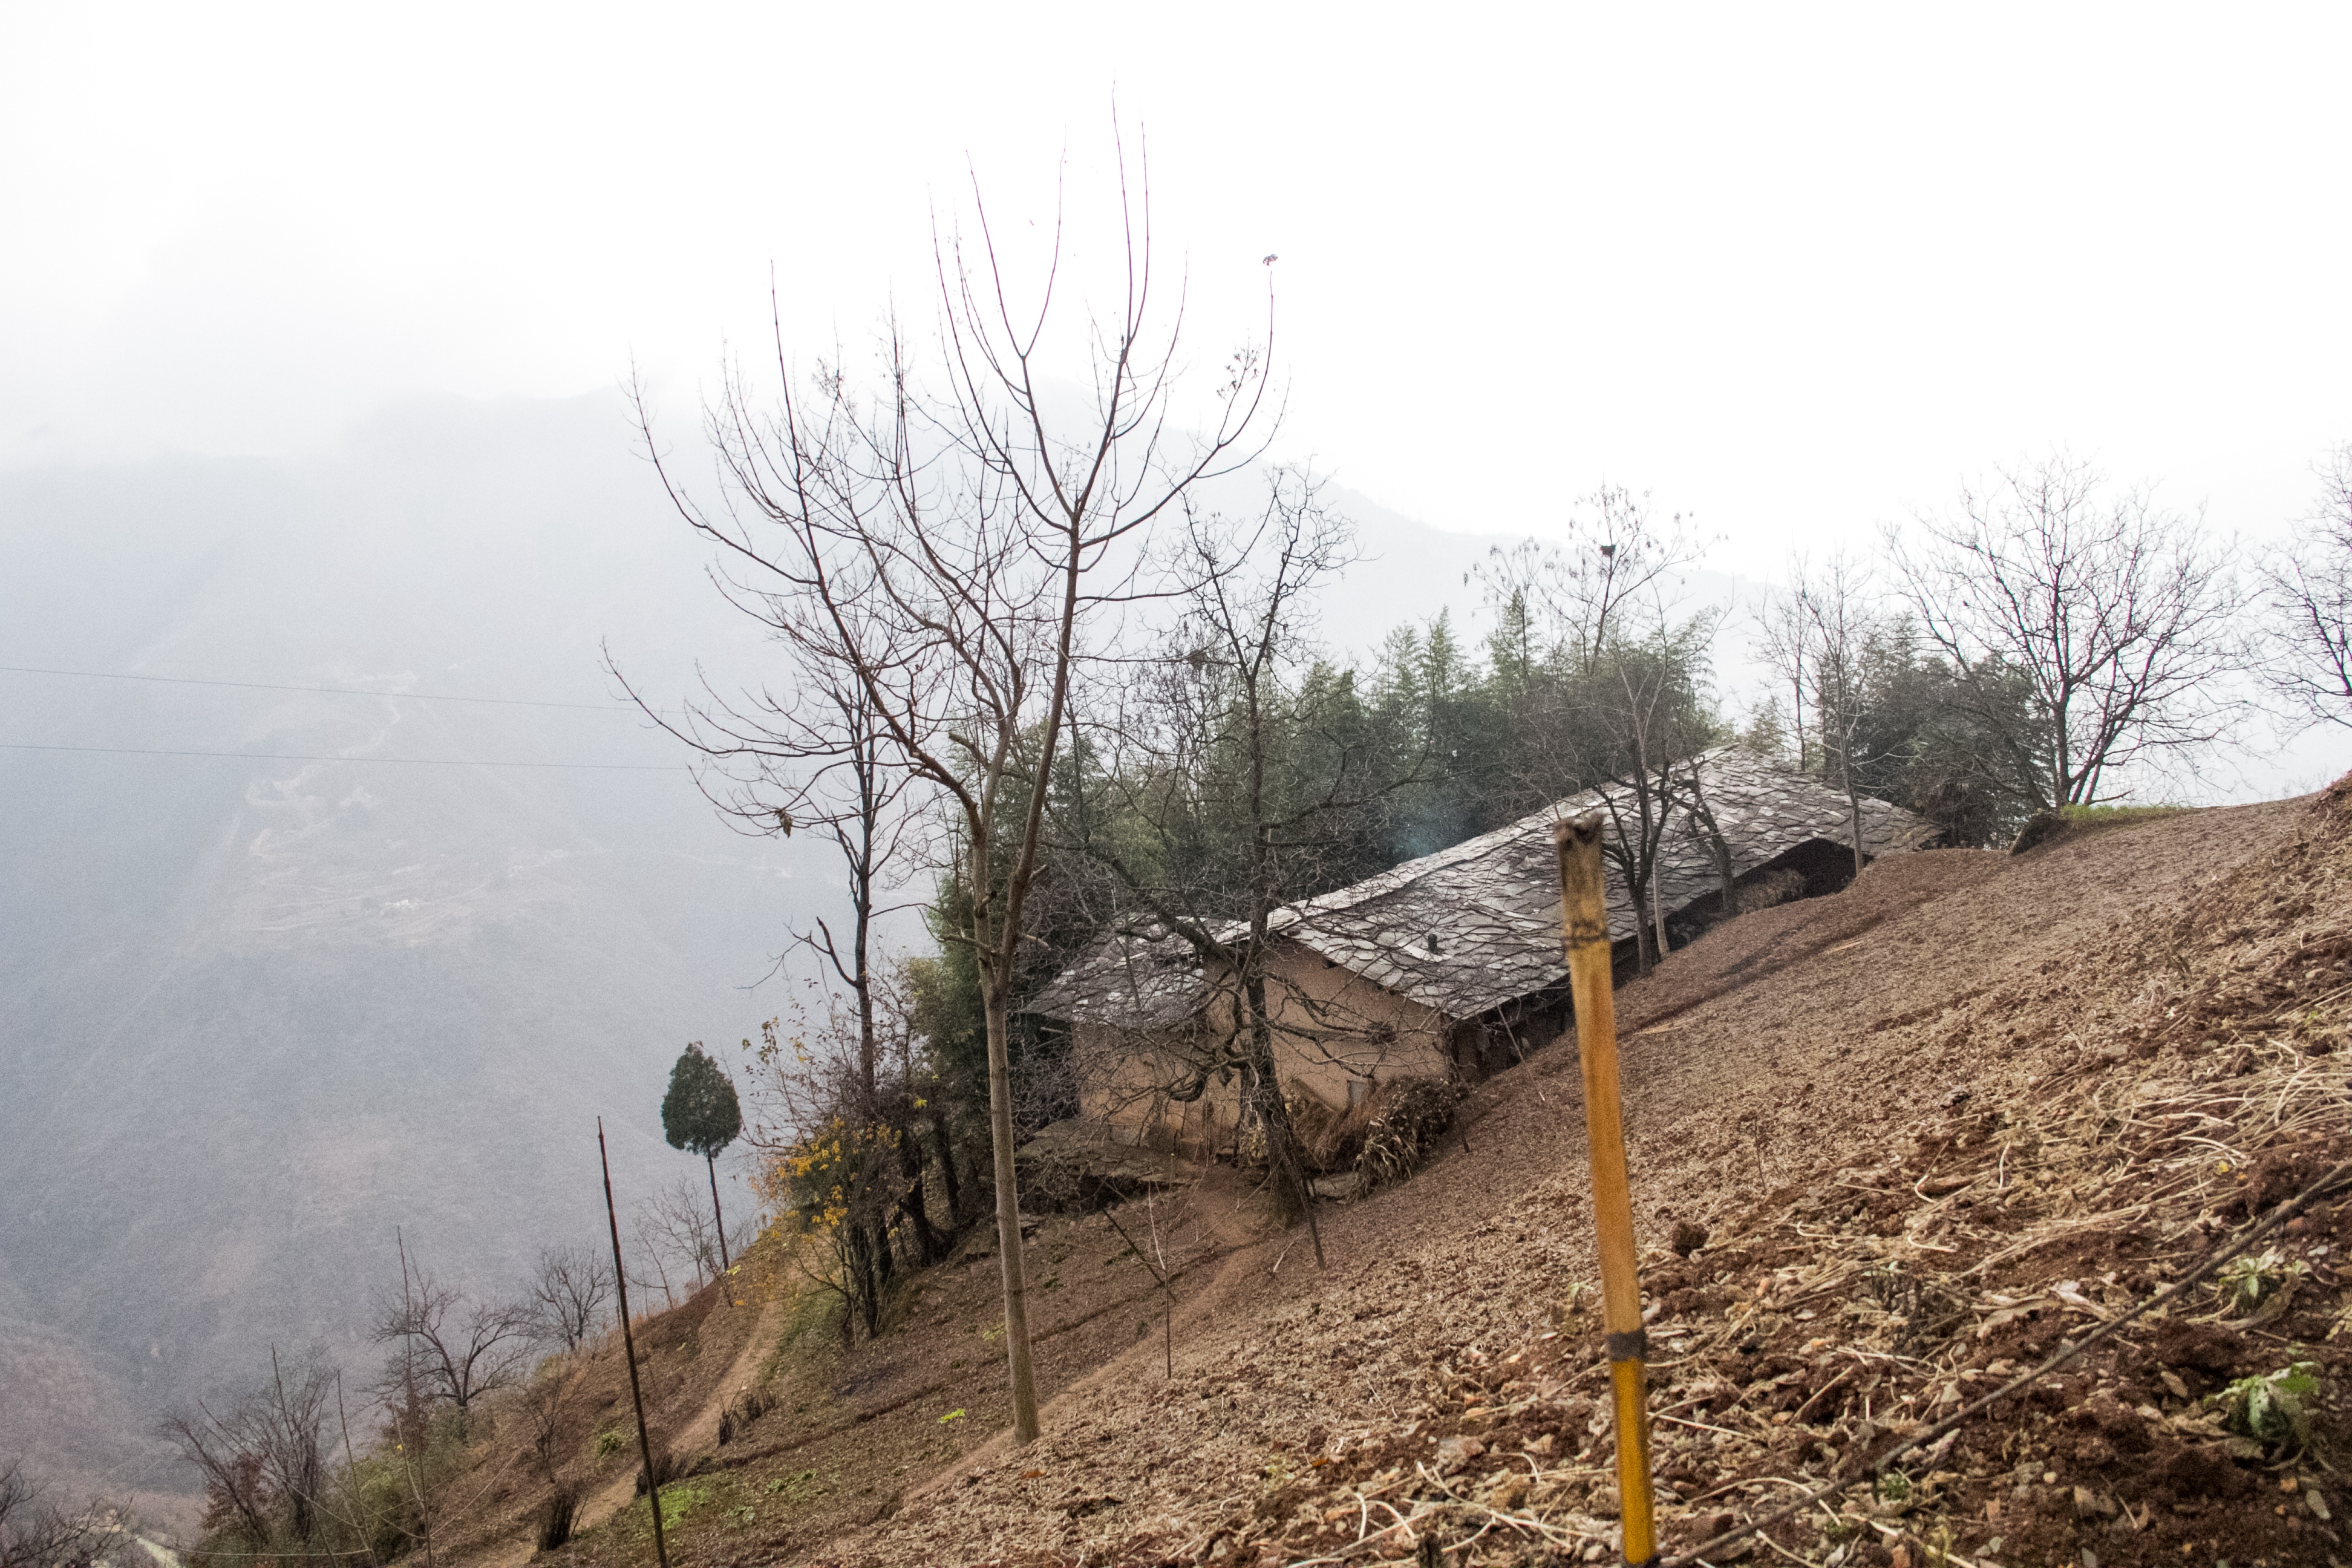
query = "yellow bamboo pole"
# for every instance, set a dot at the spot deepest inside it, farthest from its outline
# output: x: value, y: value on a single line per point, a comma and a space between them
x: 1584, y: 923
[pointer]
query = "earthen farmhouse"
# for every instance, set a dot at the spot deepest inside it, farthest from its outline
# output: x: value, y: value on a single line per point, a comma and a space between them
x: 1448, y: 966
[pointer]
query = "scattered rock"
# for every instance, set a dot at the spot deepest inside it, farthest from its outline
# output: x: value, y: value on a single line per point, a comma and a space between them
x: 1688, y: 1237
x: 1455, y: 1452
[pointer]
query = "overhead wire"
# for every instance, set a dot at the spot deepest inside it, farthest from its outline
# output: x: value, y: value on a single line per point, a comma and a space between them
x: 324, y: 690
x: 307, y: 757
x: 329, y: 690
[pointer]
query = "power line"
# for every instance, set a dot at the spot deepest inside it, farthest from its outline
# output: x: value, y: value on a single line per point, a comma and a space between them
x: 329, y: 690
x: 301, y: 757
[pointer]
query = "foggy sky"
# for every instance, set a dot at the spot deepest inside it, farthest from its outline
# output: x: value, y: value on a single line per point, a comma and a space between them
x: 1798, y: 276
x: 1797, y: 273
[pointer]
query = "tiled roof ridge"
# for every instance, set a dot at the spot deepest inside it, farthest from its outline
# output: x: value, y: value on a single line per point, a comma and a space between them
x: 1404, y: 928
x: 1406, y: 872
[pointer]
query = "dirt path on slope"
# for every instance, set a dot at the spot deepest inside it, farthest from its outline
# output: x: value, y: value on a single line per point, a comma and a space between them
x: 699, y: 1433
x: 1773, y: 1047
x: 1224, y: 1197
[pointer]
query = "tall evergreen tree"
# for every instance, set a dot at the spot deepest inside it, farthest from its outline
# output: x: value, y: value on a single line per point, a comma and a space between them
x: 702, y: 1115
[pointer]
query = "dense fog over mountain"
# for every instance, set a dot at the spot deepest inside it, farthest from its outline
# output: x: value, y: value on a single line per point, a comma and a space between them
x: 256, y: 1014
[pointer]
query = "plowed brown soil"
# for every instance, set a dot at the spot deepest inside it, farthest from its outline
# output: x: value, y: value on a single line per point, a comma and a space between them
x: 1931, y: 1124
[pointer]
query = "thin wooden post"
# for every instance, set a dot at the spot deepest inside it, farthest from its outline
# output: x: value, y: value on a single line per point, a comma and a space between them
x: 1584, y: 922
x: 629, y: 1348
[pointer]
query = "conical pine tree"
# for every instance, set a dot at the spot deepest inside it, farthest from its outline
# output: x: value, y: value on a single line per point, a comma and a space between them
x: 702, y: 1115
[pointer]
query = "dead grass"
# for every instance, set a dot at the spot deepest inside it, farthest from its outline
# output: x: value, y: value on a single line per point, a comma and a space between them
x: 1934, y: 1124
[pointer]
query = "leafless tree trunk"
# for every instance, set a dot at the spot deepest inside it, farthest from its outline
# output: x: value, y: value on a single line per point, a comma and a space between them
x: 1647, y: 720
x: 1210, y: 787
x: 1782, y: 645
x: 262, y: 1453
x: 1624, y: 710
x: 2118, y: 614
x: 1816, y: 636
x: 35, y: 1533
x: 819, y: 757
x: 1704, y: 826
x: 948, y: 550
x: 454, y: 1348
x: 568, y: 1294
x: 674, y: 1229
x: 2310, y: 593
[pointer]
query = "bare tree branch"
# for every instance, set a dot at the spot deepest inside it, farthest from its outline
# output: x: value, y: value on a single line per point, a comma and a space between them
x: 2117, y: 612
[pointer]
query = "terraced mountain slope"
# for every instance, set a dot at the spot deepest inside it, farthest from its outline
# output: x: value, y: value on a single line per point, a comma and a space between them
x: 1932, y: 1127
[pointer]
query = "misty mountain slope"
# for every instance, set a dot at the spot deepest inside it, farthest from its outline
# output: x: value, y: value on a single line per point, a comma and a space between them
x: 254, y: 1014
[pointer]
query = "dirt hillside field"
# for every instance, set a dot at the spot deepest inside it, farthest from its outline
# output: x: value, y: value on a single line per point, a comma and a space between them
x: 1910, y: 1139
x: 1931, y: 1126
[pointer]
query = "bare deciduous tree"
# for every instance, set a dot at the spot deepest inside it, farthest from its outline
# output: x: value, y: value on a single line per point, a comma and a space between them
x: 1208, y: 780
x: 676, y: 1230
x: 568, y: 1294
x: 449, y: 1347
x: 36, y: 1533
x: 2310, y: 592
x: 546, y: 1406
x: 262, y: 1453
x: 949, y: 549
x: 1817, y: 637
x: 2115, y: 610
x: 1616, y: 703
x: 822, y: 760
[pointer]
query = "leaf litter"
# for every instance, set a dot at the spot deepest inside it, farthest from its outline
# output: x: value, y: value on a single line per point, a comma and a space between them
x: 1901, y: 1144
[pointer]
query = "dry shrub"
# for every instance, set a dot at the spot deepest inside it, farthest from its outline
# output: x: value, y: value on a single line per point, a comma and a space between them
x: 740, y: 1412
x: 668, y: 1468
x: 555, y: 1517
x: 1315, y: 1124
x: 1401, y: 1121
x: 1767, y: 891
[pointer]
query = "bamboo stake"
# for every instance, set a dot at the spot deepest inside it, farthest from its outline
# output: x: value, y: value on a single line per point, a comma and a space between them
x: 1584, y: 920
x: 629, y: 1348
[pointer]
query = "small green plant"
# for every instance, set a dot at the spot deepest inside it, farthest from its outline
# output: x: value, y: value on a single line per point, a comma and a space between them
x: 609, y: 1444
x: 951, y: 1415
x: 1895, y: 1489
x: 2273, y: 1409
x: 2247, y: 1282
x: 677, y: 1500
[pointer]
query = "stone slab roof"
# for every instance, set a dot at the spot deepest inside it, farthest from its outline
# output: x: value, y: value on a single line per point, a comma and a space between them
x: 1476, y: 925
x: 1130, y: 980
